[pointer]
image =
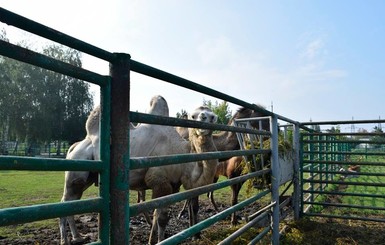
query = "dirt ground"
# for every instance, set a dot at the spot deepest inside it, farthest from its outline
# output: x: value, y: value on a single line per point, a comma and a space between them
x: 307, y: 231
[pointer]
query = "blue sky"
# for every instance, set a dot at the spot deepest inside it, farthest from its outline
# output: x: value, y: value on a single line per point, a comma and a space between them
x: 319, y: 60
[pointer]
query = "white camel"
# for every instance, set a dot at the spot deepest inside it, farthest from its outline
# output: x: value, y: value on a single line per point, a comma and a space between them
x: 146, y: 140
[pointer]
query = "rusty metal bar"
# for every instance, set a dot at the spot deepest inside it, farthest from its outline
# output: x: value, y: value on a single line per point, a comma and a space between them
x: 104, y: 189
x: 119, y: 169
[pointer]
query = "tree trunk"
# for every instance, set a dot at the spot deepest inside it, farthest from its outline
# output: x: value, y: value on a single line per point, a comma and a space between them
x: 58, y: 149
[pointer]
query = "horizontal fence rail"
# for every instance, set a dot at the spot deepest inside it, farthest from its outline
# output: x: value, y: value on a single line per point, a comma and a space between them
x: 340, y: 179
x: 18, y: 215
x: 115, y: 163
x: 13, y: 216
x: 32, y: 163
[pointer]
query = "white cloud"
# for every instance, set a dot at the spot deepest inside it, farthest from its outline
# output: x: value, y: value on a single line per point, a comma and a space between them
x: 314, y: 49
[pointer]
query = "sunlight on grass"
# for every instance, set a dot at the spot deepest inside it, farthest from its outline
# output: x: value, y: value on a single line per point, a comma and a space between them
x: 25, y: 188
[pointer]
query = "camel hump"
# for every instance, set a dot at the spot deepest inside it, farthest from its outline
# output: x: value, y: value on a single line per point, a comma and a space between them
x: 158, y: 106
x: 92, y: 124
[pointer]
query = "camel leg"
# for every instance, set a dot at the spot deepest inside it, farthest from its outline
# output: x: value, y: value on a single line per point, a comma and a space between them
x: 142, y: 198
x: 234, y: 200
x: 211, y: 196
x: 182, y: 211
x: 74, y: 186
x: 193, y: 209
x: 160, y: 187
x: 63, y: 233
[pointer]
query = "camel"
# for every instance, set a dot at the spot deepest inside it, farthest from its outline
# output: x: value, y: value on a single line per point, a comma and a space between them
x: 166, y: 180
x: 146, y: 140
x: 76, y: 182
x: 232, y: 167
x: 182, y: 131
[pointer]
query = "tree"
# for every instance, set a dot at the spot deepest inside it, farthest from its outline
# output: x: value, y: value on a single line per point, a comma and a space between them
x: 37, y: 105
x: 380, y: 138
x: 221, y: 109
x: 182, y: 114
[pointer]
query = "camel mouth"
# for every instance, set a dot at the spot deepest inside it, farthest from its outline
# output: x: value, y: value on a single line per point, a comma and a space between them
x: 202, y: 132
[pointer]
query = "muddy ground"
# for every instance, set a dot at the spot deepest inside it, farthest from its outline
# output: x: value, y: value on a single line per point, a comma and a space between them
x: 307, y: 231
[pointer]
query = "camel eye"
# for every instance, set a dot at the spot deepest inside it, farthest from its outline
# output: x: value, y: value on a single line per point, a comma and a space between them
x: 193, y: 116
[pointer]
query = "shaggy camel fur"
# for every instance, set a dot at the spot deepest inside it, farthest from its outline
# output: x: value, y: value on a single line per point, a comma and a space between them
x: 227, y: 140
x: 76, y: 182
x: 230, y: 168
x: 166, y: 180
x: 146, y: 140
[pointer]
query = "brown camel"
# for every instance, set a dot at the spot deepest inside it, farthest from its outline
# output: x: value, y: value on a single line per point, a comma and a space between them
x: 230, y: 168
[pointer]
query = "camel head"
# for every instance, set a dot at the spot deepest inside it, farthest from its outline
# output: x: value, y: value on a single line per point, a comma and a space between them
x: 244, y: 112
x: 158, y: 106
x: 203, y: 114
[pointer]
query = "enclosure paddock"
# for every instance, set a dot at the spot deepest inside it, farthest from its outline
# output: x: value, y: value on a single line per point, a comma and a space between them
x: 308, y: 172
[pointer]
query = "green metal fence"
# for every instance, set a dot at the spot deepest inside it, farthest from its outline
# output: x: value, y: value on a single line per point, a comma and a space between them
x: 343, y: 173
x: 114, y: 211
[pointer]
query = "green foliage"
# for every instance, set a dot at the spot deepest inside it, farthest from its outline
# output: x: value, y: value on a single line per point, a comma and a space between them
x: 182, y: 114
x: 380, y: 139
x: 37, y: 105
x: 221, y: 109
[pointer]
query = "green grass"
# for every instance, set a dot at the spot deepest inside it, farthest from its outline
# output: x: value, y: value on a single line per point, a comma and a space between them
x: 24, y: 188
x: 359, y: 201
x: 367, y: 201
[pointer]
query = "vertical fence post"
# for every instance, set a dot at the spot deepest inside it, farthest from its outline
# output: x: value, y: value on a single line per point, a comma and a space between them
x: 311, y: 166
x: 119, y: 170
x: 274, y: 179
x: 320, y: 158
x: 297, y: 187
x: 301, y: 176
x: 104, y: 216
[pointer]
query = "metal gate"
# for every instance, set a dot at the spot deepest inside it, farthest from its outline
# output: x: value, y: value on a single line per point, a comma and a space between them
x: 114, y: 211
x: 343, y: 173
